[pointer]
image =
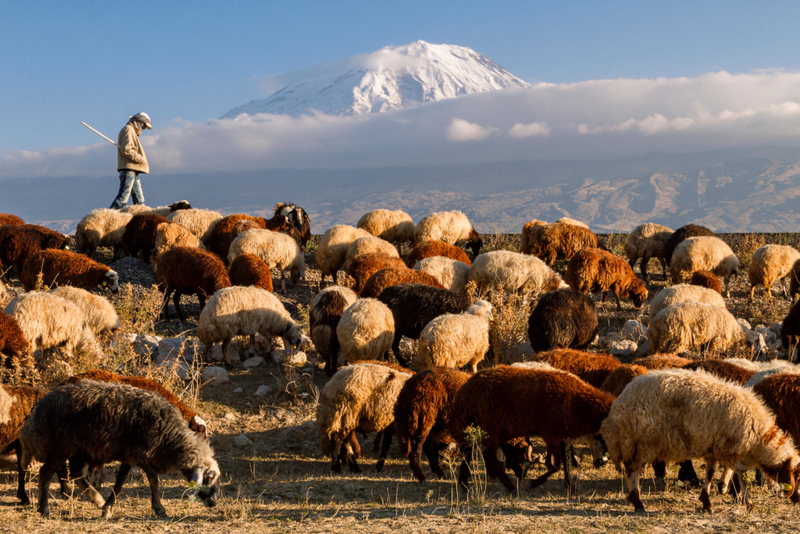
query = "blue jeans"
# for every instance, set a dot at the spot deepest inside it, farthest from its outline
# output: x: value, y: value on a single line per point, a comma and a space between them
x: 128, y: 183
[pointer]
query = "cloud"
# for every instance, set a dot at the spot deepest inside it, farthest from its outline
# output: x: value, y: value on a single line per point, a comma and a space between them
x: 461, y: 130
x: 520, y: 130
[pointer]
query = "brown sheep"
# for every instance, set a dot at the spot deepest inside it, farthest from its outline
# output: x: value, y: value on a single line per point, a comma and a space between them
x: 722, y: 369
x: 13, y: 345
x: 591, y: 367
x: 781, y: 394
x: 530, y: 234
x: 250, y: 270
x: 794, y: 280
x: 662, y: 361
x: 429, y: 249
x: 365, y: 266
x: 384, y: 278
x: 190, y: 271
x: 140, y: 234
x: 20, y: 242
x: 226, y: 230
x: 65, y: 268
x: 10, y: 218
x: 561, y: 241
x: 598, y: 271
x: 621, y: 377
x: 706, y: 279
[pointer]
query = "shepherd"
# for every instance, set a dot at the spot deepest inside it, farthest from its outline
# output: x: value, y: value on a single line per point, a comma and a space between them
x: 131, y: 160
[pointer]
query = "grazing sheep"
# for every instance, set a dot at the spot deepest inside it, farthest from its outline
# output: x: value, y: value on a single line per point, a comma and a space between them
x: 501, y: 270
x: 683, y: 293
x: 704, y: 254
x: 13, y: 344
x: 245, y: 311
x: 781, y: 393
x: 384, y: 278
x: 683, y: 233
x: 225, y: 231
x: 140, y: 234
x: 452, y: 227
x: 452, y: 274
x: 562, y: 319
x: 456, y: 340
x: 100, y: 315
x: 770, y: 263
x: 189, y: 271
x: 278, y: 251
x: 790, y: 329
x: 421, y: 415
x: 431, y: 249
x: 95, y: 423
x: 723, y: 369
x: 332, y: 249
x: 199, y: 222
x: 562, y: 407
x: 414, y: 306
x: 101, y: 228
x: 621, y: 377
x: 11, y: 219
x: 365, y: 331
x: 324, y: 315
x: 567, y: 220
x: 65, y: 268
x: 298, y: 219
x: 794, y: 280
x: 530, y: 235
x: 250, y: 270
x: 599, y: 271
x: 706, y: 279
x: 163, y: 211
x: 559, y: 241
x: 171, y: 235
x: 591, y: 367
x: 662, y: 361
x: 686, y: 325
x: 647, y: 241
x: 367, y: 245
x: 393, y: 226
x: 18, y: 243
x: 775, y: 367
x: 358, y: 398
x: 365, y: 266
x: 718, y: 422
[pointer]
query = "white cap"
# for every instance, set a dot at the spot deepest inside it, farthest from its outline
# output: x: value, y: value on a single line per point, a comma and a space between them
x: 143, y: 118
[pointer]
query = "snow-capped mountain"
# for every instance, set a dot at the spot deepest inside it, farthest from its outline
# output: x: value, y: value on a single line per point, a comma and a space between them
x: 391, y: 78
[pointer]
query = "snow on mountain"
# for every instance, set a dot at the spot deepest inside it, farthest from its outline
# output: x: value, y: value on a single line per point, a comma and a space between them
x: 391, y: 78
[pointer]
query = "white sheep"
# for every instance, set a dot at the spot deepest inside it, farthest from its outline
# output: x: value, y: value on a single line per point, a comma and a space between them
x: 199, y: 222
x: 452, y: 227
x: 452, y: 274
x: 717, y: 421
x: 774, y: 367
x: 456, y: 340
x: 686, y: 325
x: 277, y: 250
x: 368, y: 245
x: 332, y: 249
x: 705, y: 253
x: 366, y: 330
x: 647, y: 241
x: 99, y: 313
x: 245, y: 311
x: 511, y: 272
x: 684, y: 293
x: 573, y: 222
x: 101, y: 228
x: 393, y: 226
x: 5, y: 294
x: 171, y: 235
x: 770, y: 263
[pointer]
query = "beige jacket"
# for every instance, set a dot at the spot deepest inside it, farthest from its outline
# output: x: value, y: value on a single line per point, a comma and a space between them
x: 130, y: 154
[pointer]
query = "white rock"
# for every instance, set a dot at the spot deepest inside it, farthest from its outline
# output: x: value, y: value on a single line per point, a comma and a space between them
x: 173, y: 347
x: 306, y: 345
x: 237, y: 390
x: 298, y: 359
x: 634, y: 331
x: 263, y: 390
x: 242, y: 441
x: 624, y: 348
x: 769, y: 335
x: 744, y: 323
x: 255, y: 361
x: 213, y: 376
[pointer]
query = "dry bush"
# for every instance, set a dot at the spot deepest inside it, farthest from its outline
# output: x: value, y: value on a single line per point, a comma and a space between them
x: 509, y: 326
x: 745, y: 247
x: 496, y: 240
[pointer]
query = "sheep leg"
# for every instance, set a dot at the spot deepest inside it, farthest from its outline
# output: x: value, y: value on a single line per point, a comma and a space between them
x: 388, y: 432
x: 514, y: 460
x: 165, y: 304
x: 176, y: 300
x: 570, y: 480
x: 464, y: 472
x: 494, y: 468
x: 744, y: 494
x: 632, y: 479
x: 711, y: 468
x: 46, y: 473
x: 415, y: 458
x: 152, y: 478
x: 122, y: 476
x: 283, y: 281
x: 663, y: 267
x: 352, y: 452
x: 225, y: 344
x: 76, y: 472
x: 432, y: 451
x: 725, y: 482
x: 552, y: 467
x: 687, y: 474
x: 660, y: 469
x: 643, y: 266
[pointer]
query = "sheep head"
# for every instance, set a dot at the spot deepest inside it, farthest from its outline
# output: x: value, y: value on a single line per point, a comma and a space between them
x: 638, y: 293
x: 111, y: 281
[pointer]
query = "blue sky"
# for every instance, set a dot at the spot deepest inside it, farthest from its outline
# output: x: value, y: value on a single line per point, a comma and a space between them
x: 66, y: 62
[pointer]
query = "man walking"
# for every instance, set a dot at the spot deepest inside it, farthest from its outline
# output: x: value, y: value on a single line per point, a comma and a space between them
x: 131, y: 161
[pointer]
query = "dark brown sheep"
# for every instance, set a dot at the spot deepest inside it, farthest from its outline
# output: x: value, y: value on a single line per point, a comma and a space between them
x: 250, y: 270
x: 683, y: 233
x: 790, y: 329
x: 722, y: 369
x: 591, y: 367
x: 365, y: 266
x: 190, y: 271
x: 429, y: 249
x: 530, y: 235
x: 13, y: 345
x: 781, y: 394
x: 707, y: 279
x: 599, y: 271
x: 20, y: 242
x: 559, y: 407
x: 140, y: 234
x: 621, y: 377
x: 562, y: 319
x: 794, y: 280
x: 384, y: 278
x: 10, y: 218
x: 662, y: 361
x: 65, y: 268
x: 560, y: 241
x: 324, y: 315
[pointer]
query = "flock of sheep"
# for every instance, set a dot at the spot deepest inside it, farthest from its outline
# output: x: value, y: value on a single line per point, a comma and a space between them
x: 660, y: 408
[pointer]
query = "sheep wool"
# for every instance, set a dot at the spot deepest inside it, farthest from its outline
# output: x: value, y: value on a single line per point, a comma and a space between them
x: 501, y: 270
x: 393, y: 226
x: 19, y: 242
x: 559, y: 240
x: 530, y: 235
x: 683, y: 233
x: 591, y: 367
x: 324, y: 314
x: 790, y: 329
x: 100, y: 315
x: 366, y: 330
x: 599, y: 271
x: 647, y: 241
x: 332, y: 249
x: 706, y: 279
x: 393, y: 276
x: 199, y: 222
x: 621, y: 377
x: 368, y: 245
x: 365, y: 266
x: 140, y: 234
x: 189, y: 271
x: 16, y: 403
x: 456, y: 340
x: 101, y: 228
x: 452, y: 227
x: 452, y: 274
x: 430, y: 249
x: 171, y: 235
x: 704, y: 254
x: 662, y: 361
x: 562, y: 319
x: 65, y: 268
x: 227, y: 228
x: 10, y: 218
x: 277, y: 250
x: 250, y: 270
x: 686, y: 325
x: 684, y: 293
x: 13, y: 345
x: 770, y: 263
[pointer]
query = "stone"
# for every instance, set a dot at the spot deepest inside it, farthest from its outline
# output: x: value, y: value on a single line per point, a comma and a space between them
x: 634, y: 331
x: 213, y: 376
x: 306, y: 345
x: 300, y: 433
x: 624, y: 348
x: 237, y: 390
x: 769, y: 335
x: 776, y: 327
x: 178, y: 366
x: 242, y: 441
x: 760, y: 344
x: 263, y: 390
x: 643, y: 349
x: 253, y: 362
x: 143, y: 345
x: 297, y: 359
x: 174, y: 347
x: 744, y: 323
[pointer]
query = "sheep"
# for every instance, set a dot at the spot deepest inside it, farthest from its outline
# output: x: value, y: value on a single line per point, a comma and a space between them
x: 559, y: 241
x: 367, y: 245
x: 452, y: 274
x: 621, y: 377
x: 49, y: 321
x: 199, y: 222
x: 686, y: 325
x: 501, y: 270
x: 777, y: 367
x: 597, y: 270
x: 647, y: 241
x: 324, y: 314
x: 452, y: 340
x: 65, y: 268
x: 567, y: 220
x: 278, y: 251
x: 393, y: 226
x: 96, y: 423
x: 562, y: 319
x: 414, y: 306
x: 682, y: 233
x: 163, y: 211
x: 171, y: 235
x: 530, y: 235
x: 662, y: 361
x: 563, y: 407
x: 591, y: 367
x: 365, y: 330
x: 770, y: 263
x: 245, y: 311
x: 790, y: 330
x: 227, y: 228
x: 706, y: 279
x: 332, y: 249
x: 781, y: 393
x: 140, y: 234
x: 704, y: 254
x: 452, y: 227
x: 189, y: 271
x: 431, y: 249
x: 101, y: 228
x: 11, y: 219
x: 389, y: 277
x: 365, y: 266
x: 421, y: 415
x: 250, y: 270
x: 298, y: 220
x: 718, y: 421
x: 99, y: 313
x: 13, y: 344
x: 723, y: 369
x: 5, y: 294
x: 18, y: 243
x: 794, y: 280
x: 357, y: 398
x: 683, y: 293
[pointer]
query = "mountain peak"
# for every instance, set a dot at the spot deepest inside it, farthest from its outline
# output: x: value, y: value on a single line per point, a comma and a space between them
x: 394, y: 77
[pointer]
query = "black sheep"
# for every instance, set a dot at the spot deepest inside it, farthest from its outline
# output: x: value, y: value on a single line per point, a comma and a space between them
x: 683, y: 233
x: 140, y: 234
x: 790, y: 330
x: 562, y: 319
